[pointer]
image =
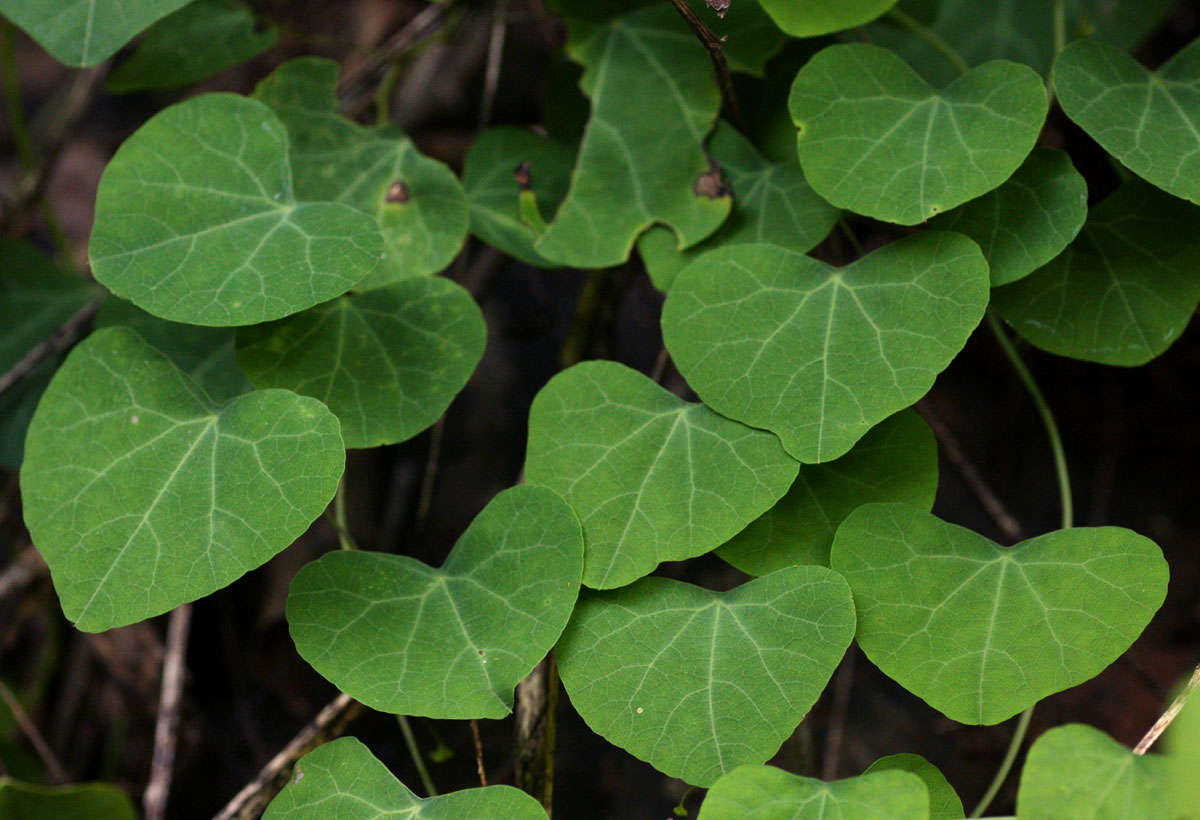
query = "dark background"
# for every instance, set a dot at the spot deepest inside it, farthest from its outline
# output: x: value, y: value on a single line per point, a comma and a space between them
x: 1132, y: 440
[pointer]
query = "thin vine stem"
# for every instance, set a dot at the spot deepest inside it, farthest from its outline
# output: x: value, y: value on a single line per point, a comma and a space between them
x: 345, y: 539
x: 1010, y: 757
x: 413, y: 749
x: 932, y: 39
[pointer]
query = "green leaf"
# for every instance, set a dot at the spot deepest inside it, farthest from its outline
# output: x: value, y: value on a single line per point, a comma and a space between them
x: 771, y: 203
x: 417, y: 201
x: 80, y: 801
x: 1124, y: 291
x: 653, y: 478
x: 696, y: 682
x: 36, y: 297
x: 85, y: 32
x: 343, y: 780
x: 453, y: 642
x: 642, y: 158
x: 1027, y: 221
x: 895, y: 461
x: 1076, y: 772
x: 197, y: 221
x: 489, y: 177
x: 944, y: 803
x: 878, y: 140
x: 142, y: 494
x: 767, y: 793
x: 387, y: 362
x: 202, y: 38
x: 816, y: 354
x: 1183, y: 748
x: 17, y: 404
x: 982, y: 632
x: 815, y: 17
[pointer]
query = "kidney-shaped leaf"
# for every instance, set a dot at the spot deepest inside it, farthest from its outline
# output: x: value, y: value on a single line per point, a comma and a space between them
x: 697, y: 682
x: 944, y: 802
x: 387, y: 362
x: 453, y: 642
x: 85, y: 32
x: 80, y: 801
x: 653, y: 478
x: 197, y: 221
x: 766, y: 793
x: 982, y: 632
x: 895, y: 461
x: 1124, y: 291
x: 878, y: 140
x: 141, y: 494
x: 811, y: 18
x: 343, y: 780
x: 820, y: 355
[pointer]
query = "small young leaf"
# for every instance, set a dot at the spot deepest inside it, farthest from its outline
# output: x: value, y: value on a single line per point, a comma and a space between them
x: 417, y: 201
x: 190, y: 45
x: 1076, y: 772
x: 878, y: 140
x: 196, y: 221
x: 771, y: 203
x: 85, y: 32
x: 944, y: 803
x: 81, y: 801
x: 1124, y: 291
x: 453, y: 642
x: 767, y: 793
x: 1027, y: 221
x: 982, y: 632
x: 815, y: 17
x: 697, y: 682
x: 142, y: 494
x: 895, y: 461
x: 343, y: 780
x: 387, y: 362
x: 653, y: 478
x: 820, y: 355
x: 642, y: 158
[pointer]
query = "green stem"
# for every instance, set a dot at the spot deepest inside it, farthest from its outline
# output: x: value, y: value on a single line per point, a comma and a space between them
x: 1010, y: 757
x: 12, y: 100
x: 848, y: 232
x: 931, y: 39
x: 383, y: 94
x: 345, y: 540
x: 1060, y: 26
x: 415, y: 751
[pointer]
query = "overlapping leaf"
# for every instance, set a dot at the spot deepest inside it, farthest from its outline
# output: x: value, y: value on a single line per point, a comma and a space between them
x: 343, y: 779
x: 982, y: 632
x: 819, y: 355
x: 895, y: 461
x: 141, y: 494
x: 878, y: 140
x: 653, y: 478
x: 81, y: 801
x: 85, y: 32
x: 1124, y: 291
x: 815, y: 17
x: 387, y: 362
x: 642, y: 158
x: 697, y: 682
x: 197, y: 220
x: 944, y: 803
x: 453, y: 642
x: 771, y: 203
x: 767, y: 793
x: 417, y: 201
x: 1028, y: 220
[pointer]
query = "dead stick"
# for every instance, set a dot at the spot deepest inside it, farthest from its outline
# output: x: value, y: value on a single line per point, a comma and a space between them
x: 166, y: 728
x: 1169, y: 716
x: 714, y: 45
x: 478, y: 752
x: 57, y: 773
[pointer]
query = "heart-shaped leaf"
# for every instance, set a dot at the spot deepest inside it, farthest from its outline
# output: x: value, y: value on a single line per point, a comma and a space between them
x: 141, y: 494
x: 771, y: 203
x: 417, y: 201
x: 490, y: 172
x: 1150, y: 121
x: 196, y: 220
x: 697, y: 682
x: 1076, y: 772
x: 820, y: 355
x: 387, y: 362
x: 767, y: 793
x: 1028, y: 220
x: 343, y: 780
x: 982, y: 632
x: 85, y: 32
x: 642, y: 158
x: 80, y: 801
x: 202, y: 38
x: 1124, y: 291
x: 944, y: 803
x: 453, y: 642
x: 878, y: 140
x: 653, y: 478
x: 815, y: 17
x: 895, y: 461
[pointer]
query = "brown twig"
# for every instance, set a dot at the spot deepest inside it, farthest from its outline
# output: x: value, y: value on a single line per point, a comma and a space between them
x: 49, y: 760
x: 66, y: 335
x: 537, y: 699
x: 478, y: 752
x: 715, y: 51
x: 166, y: 728
x: 1169, y: 716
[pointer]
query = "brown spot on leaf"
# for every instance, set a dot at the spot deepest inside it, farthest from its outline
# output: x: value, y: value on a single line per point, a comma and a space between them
x: 523, y: 177
x: 398, y: 193
x: 719, y: 6
x: 711, y: 184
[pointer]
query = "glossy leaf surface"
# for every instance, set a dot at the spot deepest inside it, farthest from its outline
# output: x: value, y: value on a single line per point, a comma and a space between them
x: 767, y: 793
